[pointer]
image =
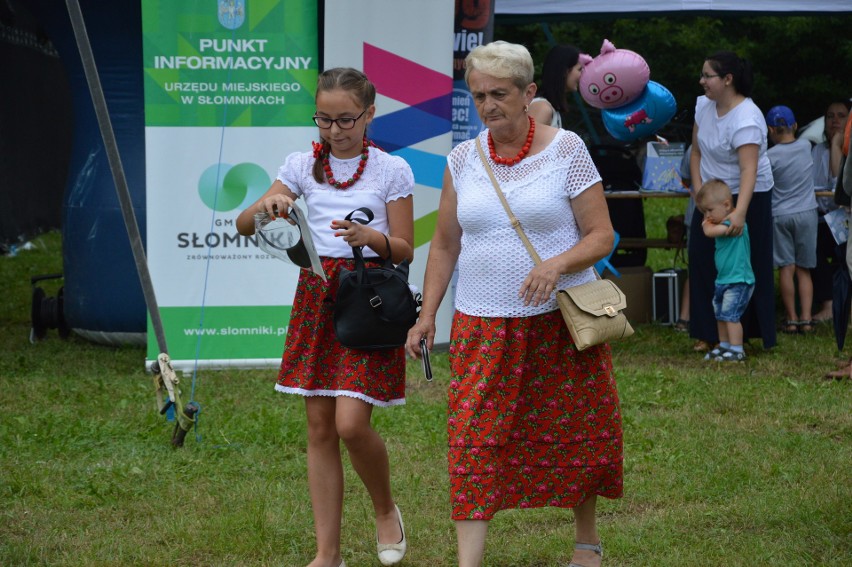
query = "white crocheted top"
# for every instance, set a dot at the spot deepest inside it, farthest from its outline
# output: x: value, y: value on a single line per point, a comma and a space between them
x: 493, y: 261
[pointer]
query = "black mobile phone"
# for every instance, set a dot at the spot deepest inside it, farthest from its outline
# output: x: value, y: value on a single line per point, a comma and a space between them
x: 424, y: 359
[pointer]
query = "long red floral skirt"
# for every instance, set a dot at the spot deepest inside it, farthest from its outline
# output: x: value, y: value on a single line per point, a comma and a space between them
x: 316, y: 364
x: 532, y: 422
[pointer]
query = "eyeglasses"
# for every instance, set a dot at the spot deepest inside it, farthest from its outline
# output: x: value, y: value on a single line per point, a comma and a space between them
x: 344, y: 123
x: 705, y: 76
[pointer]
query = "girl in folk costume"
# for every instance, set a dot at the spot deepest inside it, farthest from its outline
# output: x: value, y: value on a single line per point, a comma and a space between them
x: 341, y: 386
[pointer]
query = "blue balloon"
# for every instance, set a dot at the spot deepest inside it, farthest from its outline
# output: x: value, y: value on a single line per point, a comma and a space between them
x: 643, y: 117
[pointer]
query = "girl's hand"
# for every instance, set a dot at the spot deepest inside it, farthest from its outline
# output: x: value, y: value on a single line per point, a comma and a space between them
x: 277, y: 206
x: 353, y: 233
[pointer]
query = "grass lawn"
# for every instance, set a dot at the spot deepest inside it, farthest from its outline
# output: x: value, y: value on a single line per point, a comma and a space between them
x: 745, y: 464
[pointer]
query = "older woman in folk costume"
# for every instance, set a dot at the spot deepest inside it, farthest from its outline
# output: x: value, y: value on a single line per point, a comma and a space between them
x: 532, y: 421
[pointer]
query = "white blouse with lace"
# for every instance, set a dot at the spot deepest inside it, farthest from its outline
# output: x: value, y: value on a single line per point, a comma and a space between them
x: 493, y: 261
x: 386, y: 178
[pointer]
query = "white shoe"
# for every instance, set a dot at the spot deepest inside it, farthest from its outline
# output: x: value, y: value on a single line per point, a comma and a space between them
x: 392, y: 553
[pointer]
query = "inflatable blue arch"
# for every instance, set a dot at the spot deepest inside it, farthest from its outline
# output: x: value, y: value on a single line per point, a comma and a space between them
x: 102, y: 295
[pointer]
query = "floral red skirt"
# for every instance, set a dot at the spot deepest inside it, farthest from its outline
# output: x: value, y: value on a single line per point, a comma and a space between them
x: 316, y: 364
x: 532, y: 422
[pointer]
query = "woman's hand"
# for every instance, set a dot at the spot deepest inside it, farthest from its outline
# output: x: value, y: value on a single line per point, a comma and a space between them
x: 539, y: 285
x: 424, y: 328
x: 737, y: 219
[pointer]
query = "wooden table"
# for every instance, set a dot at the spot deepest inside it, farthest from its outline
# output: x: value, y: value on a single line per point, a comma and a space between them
x: 639, y: 243
x: 671, y: 195
x: 644, y: 195
x: 629, y: 243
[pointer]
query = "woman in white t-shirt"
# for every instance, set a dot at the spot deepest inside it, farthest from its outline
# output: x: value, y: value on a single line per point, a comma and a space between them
x: 729, y: 143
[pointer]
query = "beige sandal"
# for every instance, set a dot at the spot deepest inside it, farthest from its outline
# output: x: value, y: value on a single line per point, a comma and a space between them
x: 843, y: 373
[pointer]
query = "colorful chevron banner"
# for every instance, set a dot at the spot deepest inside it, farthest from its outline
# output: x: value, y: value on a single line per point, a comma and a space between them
x: 408, y: 55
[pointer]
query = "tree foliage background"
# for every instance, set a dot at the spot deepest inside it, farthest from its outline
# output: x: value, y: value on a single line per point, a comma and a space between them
x: 804, y: 62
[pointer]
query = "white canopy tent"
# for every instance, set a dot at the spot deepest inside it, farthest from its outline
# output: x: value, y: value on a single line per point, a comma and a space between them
x: 553, y: 7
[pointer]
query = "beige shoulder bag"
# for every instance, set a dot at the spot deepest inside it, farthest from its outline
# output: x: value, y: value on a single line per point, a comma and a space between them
x: 593, y: 311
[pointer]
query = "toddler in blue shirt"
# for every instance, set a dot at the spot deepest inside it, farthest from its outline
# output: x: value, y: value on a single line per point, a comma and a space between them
x: 734, y: 276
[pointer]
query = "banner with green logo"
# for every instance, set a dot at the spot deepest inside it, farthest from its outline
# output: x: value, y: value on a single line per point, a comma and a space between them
x: 229, y: 93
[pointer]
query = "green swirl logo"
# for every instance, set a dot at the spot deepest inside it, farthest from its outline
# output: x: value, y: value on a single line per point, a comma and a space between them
x: 238, y: 185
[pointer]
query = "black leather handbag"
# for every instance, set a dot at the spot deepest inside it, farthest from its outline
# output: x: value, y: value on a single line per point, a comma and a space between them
x: 375, y: 307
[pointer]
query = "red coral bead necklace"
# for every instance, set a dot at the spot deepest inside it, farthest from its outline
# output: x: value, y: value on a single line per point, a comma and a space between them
x: 521, y: 154
x: 326, y: 166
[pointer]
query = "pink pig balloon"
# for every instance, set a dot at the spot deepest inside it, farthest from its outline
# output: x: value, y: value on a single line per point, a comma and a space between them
x: 614, y: 78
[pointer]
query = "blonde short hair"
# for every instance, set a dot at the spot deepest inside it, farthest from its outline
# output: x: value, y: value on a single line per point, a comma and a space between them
x: 502, y: 60
x: 712, y: 192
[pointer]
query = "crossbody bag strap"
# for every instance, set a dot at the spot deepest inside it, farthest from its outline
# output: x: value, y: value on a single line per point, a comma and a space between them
x: 516, y: 224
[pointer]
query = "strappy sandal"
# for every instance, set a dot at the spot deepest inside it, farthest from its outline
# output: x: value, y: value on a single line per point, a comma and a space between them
x: 839, y: 374
x: 791, y: 327
x: 681, y: 326
x: 597, y: 548
x: 807, y: 326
